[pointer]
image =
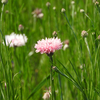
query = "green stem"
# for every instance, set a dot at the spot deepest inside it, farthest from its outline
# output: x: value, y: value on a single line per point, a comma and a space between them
x: 2, y: 14
x: 49, y: 22
x: 51, y: 80
x: 71, y: 27
x: 91, y: 70
x: 60, y: 86
x: 88, y: 48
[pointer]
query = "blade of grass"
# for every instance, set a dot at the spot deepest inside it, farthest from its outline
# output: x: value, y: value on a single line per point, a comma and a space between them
x: 74, y: 82
x: 60, y: 86
x: 38, y: 86
x: 2, y: 91
x: 67, y: 71
x: 75, y: 71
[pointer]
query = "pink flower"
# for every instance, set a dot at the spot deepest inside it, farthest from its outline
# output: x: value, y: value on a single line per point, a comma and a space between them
x: 14, y: 40
x: 48, y: 45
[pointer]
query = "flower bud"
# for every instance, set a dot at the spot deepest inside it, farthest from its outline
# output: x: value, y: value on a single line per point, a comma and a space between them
x: 81, y: 10
x: 84, y: 34
x: 72, y: 2
x: 20, y: 27
x: 54, y: 34
x: 4, y: 1
x: 99, y: 37
x: 7, y: 11
x: 48, y: 4
x: 37, y: 13
x: 46, y: 96
x: 54, y: 8
x: 63, y: 10
x: 54, y: 68
x: 66, y: 44
x: 96, y: 3
x: 5, y: 85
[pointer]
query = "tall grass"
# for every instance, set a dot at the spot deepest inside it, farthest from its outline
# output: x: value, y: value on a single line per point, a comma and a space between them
x: 75, y: 71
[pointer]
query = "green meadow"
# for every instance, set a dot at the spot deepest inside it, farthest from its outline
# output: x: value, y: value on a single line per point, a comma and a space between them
x: 73, y: 73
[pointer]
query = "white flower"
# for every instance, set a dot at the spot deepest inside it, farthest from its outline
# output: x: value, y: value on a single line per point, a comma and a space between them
x: 14, y: 40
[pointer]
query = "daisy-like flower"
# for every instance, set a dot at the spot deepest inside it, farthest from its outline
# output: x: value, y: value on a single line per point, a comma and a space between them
x: 48, y: 45
x: 15, y: 40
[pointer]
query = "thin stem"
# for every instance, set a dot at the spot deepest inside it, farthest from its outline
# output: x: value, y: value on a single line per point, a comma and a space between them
x: 2, y: 14
x: 89, y: 19
x: 71, y: 27
x: 60, y: 86
x: 91, y: 69
x: 49, y: 22
x: 88, y: 48
x: 56, y: 20
x: 51, y: 80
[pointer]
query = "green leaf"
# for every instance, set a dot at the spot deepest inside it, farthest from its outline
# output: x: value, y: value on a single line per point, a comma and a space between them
x: 38, y: 86
x: 73, y: 81
x: 2, y: 91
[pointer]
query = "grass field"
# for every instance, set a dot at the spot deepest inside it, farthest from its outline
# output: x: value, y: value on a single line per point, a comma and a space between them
x: 74, y: 73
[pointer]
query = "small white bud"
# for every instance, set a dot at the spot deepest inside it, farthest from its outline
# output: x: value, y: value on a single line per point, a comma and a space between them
x: 65, y: 47
x: 81, y: 10
x: 63, y: 10
x: 4, y: 1
x: 5, y: 85
x: 48, y: 4
x: 66, y: 44
x: 54, y: 8
x: 72, y: 2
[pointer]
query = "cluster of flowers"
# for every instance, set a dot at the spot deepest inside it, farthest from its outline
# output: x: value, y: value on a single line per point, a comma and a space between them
x: 47, y: 45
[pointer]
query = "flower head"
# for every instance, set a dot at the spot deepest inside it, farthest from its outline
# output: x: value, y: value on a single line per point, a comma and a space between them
x: 84, y: 33
x: 4, y: 1
x: 48, y: 46
x: 14, y: 40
